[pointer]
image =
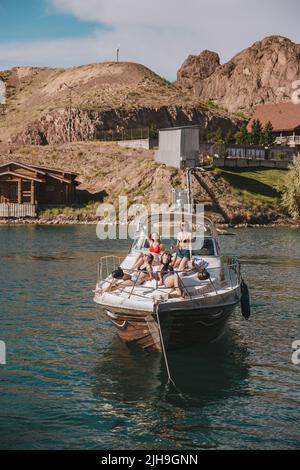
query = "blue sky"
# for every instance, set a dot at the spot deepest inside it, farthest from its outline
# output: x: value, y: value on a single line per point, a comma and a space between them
x: 38, y: 19
x: 157, y: 33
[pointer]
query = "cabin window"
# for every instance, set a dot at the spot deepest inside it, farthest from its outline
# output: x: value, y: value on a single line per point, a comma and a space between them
x: 14, y: 191
x: 50, y: 188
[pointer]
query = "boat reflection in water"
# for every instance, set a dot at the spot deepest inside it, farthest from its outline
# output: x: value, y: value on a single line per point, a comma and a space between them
x: 201, y: 374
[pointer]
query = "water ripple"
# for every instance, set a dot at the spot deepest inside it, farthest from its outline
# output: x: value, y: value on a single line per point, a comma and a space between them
x: 71, y: 384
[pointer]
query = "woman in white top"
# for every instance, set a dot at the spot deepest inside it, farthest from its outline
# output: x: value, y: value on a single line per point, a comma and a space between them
x: 184, y: 247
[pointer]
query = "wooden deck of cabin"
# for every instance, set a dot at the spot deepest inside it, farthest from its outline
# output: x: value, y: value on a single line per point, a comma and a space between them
x: 15, y: 210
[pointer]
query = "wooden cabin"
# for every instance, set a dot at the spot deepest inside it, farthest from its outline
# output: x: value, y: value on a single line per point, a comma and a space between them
x: 27, y: 187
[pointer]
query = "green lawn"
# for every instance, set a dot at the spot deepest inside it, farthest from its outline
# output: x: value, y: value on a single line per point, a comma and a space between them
x: 255, y: 184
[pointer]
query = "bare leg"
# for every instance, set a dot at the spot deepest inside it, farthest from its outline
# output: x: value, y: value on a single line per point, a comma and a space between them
x: 144, y: 277
x: 173, y: 281
x: 183, y: 264
x: 127, y: 282
x: 114, y: 286
x: 138, y: 262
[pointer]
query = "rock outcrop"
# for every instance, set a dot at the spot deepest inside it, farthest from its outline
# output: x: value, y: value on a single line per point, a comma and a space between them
x: 263, y: 73
x: 41, y: 102
x: 53, y: 128
x: 197, y: 68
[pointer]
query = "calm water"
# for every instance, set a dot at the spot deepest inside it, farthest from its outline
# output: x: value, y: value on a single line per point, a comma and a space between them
x: 69, y: 383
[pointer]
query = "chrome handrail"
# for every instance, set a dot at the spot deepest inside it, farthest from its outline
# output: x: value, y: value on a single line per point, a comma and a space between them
x: 223, y: 274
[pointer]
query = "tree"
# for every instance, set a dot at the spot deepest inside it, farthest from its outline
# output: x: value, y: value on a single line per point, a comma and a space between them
x: 256, y: 132
x: 216, y: 137
x: 268, y: 138
x: 230, y: 137
x: 291, y: 189
x: 153, y: 132
x: 242, y: 136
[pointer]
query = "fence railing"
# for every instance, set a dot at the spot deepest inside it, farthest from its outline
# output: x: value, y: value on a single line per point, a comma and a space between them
x: 11, y: 210
x: 227, y: 276
x: 289, y: 139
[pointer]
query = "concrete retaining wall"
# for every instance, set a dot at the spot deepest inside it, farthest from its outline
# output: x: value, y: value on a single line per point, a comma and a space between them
x: 247, y: 163
x: 137, y: 143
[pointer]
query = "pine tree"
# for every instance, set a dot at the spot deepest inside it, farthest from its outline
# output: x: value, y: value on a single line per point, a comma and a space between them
x: 268, y: 135
x: 216, y: 137
x: 229, y: 137
x: 242, y: 136
x: 256, y: 132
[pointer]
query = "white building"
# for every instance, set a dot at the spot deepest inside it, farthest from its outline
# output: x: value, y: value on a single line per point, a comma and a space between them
x: 179, y: 147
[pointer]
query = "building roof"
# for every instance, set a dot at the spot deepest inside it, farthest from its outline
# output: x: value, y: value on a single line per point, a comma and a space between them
x: 180, y: 128
x: 18, y: 169
x: 283, y: 116
x: 45, y: 168
x: 25, y: 177
x: 22, y: 165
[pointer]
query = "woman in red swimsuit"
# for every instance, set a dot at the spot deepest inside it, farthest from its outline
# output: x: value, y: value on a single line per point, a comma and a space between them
x: 155, y: 245
x: 155, y: 249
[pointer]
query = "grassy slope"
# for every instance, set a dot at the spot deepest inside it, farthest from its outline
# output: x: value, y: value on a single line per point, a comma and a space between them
x: 109, y: 169
x: 256, y: 185
x: 105, y: 170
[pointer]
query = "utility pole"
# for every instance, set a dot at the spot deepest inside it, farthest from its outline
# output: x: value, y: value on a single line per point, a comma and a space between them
x: 70, y: 112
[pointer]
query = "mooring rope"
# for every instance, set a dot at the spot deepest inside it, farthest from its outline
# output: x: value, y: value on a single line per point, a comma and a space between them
x: 170, y: 380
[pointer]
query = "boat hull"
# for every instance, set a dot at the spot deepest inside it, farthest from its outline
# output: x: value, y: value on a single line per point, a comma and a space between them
x: 180, y: 328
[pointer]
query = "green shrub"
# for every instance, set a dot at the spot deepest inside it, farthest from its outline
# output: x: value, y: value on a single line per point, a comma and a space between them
x: 291, y: 190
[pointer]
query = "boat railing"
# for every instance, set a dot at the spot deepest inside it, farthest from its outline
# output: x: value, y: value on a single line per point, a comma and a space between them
x: 211, y: 280
x: 106, y: 265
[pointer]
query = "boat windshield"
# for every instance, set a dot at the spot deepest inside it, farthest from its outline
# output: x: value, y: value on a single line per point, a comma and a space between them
x: 200, y: 246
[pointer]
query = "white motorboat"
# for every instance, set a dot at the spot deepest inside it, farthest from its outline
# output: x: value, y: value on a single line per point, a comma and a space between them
x: 152, y: 315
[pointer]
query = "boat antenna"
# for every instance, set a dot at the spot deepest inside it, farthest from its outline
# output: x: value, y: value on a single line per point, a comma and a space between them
x: 189, y: 190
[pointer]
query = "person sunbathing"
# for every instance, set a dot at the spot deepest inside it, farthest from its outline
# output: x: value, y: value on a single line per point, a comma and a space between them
x: 155, y: 249
x: 120, y: 279
x: 184, y: 248
x: 168, y: 277
x: 166, y: 268
x: 172, y: 281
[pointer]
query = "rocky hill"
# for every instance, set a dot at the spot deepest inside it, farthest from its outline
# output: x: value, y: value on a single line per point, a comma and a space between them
x: 104, y: 96
x: 263, y: 73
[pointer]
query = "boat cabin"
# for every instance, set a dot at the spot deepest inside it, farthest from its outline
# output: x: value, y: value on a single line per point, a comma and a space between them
x: 204, y: 240
x: 202, y: 246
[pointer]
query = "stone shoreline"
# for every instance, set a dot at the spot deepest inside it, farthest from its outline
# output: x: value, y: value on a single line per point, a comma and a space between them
x: 93, y: 221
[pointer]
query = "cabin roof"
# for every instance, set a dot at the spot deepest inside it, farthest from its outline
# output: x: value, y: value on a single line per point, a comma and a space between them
x: 60, y: 178
x: 55, y: 169
x: 19, y: 175
x: 42, y: 171
x: 23, y: 165
x: 283, y: 116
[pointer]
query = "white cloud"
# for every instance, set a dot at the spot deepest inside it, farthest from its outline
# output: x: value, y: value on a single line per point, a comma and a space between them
x: 160, y: 33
